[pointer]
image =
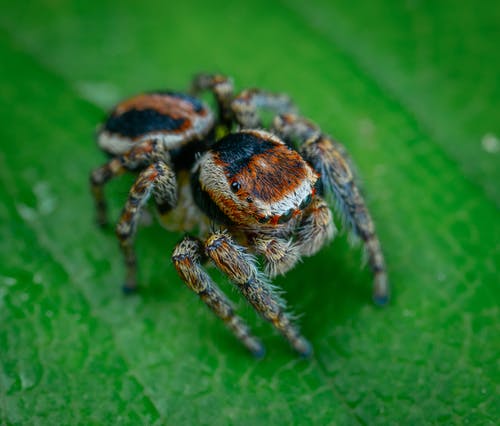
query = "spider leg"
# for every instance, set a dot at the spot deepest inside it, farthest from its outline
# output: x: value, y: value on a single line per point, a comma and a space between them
x: 136, y: 158
x: 295, y: 129
x: 98, y: 178
x: 244, y: 107
x: 222, y: 88
x: 316, y: 228
x: 338, y: 184
x: 157, y: 179
x: 241, y: 269
x: 247, y: 104
x: 280, y: 255
x: 187, y: 257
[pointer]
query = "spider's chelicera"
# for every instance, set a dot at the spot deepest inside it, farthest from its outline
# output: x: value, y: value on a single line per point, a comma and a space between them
x: 250, y: 193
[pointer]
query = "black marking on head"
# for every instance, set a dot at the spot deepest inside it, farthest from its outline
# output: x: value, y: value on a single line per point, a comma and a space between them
x: 134, y: 123
x: 237, y: 149
x: 205, y: 203
x: 197, y: 104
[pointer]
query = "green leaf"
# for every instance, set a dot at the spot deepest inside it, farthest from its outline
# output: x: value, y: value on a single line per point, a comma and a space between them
x: 410, y: 88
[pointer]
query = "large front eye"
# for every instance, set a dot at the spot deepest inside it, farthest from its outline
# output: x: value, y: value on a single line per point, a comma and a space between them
x: 305, y: 202
x: 264, y: 219
x: 285, y: 217
x: 235, y: 186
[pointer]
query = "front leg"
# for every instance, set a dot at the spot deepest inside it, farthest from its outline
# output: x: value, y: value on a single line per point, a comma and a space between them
x: 338, y: 185
x: 241, y: 269
x: 188, y: 257
x: 157, y: 179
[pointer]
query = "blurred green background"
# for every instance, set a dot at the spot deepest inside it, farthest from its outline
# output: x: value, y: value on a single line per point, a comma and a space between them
x: 412, y: 89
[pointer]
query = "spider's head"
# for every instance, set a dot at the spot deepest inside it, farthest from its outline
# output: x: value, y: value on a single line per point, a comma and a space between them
x: 253, y: 178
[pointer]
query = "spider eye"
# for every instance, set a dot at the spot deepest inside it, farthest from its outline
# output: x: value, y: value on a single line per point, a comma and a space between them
x: 264, y: 219
x: 285, y: 217
x: 305, y: 202
x: 235, y: 186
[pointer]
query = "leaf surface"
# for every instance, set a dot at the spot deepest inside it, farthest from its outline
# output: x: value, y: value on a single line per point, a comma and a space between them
x: 413, y: 108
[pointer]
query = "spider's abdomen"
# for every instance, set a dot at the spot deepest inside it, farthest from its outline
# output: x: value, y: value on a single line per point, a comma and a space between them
x: 173, y: 118
x: 252, y: 177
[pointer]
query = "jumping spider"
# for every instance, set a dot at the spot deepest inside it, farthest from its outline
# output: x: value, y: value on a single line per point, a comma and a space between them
x: 250, y: 192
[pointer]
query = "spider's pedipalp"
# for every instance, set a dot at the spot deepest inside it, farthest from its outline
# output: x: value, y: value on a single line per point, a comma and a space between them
x: 280, y: 255
x: 157, y: 179
x: 316, y: 228
x: 240, y: 267
x: 187, y: 257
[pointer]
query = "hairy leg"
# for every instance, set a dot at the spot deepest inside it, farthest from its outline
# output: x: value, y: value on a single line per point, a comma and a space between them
x: 296, y: 130
x: 136, y: 158
x: 98, y: 178
x: 243, y: 108
x: 338, y: 184
x: 280, y: 255
x: 247, y: 104
x: 241, y: 269
x: 222, y: 88
x: 157, y: 179
x: 316, y: 228
x: 187, y: 257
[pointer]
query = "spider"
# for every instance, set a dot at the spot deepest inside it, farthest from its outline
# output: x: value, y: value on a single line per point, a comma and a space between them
x: 251, y: 193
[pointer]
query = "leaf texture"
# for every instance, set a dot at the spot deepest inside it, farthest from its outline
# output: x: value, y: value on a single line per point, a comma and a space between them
x: 411, y: 90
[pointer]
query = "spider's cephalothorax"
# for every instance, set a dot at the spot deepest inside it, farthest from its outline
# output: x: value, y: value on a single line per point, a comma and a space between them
x: 252, y: 179
x: 264, y: 193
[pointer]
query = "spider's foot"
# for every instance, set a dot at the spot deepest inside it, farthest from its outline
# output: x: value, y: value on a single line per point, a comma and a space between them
x: 129, y: 289
x: 253, y: 344
x: 304, y: 348
x: 381, y: 299
x: 259, y: 351
x: 381, y: 294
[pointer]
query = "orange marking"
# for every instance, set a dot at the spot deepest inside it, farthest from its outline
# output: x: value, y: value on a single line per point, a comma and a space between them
x: 272, y: 175
x: 164, y: 104
x: 152, y: 177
